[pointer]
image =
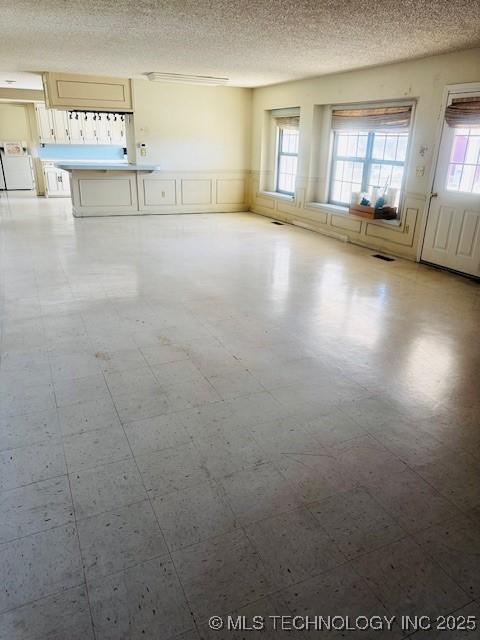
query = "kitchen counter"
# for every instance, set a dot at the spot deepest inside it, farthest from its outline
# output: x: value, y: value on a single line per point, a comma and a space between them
x: 109, y: 188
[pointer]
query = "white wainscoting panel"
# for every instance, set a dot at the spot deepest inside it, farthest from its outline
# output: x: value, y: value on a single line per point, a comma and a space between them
x: 196, y: 191
x: 230, y: 191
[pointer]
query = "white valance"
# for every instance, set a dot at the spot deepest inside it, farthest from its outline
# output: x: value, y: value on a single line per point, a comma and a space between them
x: 463, y: 113
x: 372, y: 119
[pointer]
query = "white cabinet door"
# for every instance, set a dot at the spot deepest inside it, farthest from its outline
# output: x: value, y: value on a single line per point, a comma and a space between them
x: 102, y: 128
x: 63, y: 182
x: 46, y: 131
x: 57, y: 181
x: 51, y: 182
x: 88, y: 128
x: 60, y: 125
x: 75, y: 128
x: 117, y: 131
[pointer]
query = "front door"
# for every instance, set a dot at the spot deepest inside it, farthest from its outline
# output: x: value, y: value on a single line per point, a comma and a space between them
x: 452, y: 236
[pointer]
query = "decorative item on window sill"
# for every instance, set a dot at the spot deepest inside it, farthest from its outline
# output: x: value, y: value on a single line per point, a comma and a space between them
x: 374, y: 205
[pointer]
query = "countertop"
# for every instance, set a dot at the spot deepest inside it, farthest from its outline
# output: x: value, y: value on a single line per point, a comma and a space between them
x: 105, y: 166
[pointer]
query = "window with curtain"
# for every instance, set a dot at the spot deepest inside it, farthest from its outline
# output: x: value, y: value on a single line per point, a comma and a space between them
x: 287, y: 125
x: 463, y: 115
x: 369, y: 151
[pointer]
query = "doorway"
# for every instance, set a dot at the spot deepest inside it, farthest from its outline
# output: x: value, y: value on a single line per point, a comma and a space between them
x: 452, y: 234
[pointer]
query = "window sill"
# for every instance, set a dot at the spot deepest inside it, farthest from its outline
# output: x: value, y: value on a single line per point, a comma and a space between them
x: 276, y: 194
x: 343, y: 211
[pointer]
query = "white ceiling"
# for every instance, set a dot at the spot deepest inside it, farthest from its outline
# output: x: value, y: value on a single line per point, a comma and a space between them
x: 253, y: 42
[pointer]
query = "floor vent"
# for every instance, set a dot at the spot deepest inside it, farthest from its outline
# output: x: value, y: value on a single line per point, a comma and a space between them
x: 276, y: 222
x: 380, y: 257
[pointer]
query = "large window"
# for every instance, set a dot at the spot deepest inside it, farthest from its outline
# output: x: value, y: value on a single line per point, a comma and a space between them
x: 287, y: 158
x: 363, y: 160
x: 369, y: 151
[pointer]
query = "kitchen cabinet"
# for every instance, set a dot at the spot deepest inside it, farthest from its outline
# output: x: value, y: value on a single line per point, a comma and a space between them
x: 57, y: 181
x: 88, y: 128
x: 57, y: 127
x: 75, y: 129
x: 46, y: 127
x: 60, y: 127
x: 91, y: 93
x: 116, y: 128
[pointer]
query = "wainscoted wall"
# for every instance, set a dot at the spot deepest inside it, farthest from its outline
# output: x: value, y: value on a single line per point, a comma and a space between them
x: 421, y: 81
x: 165, y: 192
x: 159, y: 192
x: 390, y: 237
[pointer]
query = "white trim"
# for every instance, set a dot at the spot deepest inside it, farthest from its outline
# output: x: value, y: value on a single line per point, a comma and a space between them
x: 277, y: 194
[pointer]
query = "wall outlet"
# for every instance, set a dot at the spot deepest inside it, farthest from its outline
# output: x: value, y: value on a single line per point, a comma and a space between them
x: 420, y: 172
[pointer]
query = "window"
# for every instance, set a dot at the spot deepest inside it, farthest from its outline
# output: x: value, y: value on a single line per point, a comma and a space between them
x: 363, y: 160
x: 287, y: 158
x: 464, y: 166
x: 369, y: 151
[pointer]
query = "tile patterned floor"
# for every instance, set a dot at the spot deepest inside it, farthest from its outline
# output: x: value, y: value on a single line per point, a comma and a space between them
x: 209, y: 414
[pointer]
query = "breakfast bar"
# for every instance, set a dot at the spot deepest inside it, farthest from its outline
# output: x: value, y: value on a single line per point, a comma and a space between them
x: 111, y: 189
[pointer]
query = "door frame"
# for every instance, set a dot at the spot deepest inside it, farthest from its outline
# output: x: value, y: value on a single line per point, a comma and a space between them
x: 464, y: 87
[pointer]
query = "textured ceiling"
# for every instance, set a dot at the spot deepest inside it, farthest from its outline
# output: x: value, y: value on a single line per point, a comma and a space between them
x: 253, y: 42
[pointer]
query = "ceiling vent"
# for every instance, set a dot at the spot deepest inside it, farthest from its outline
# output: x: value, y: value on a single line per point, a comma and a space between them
x: 155, y: 76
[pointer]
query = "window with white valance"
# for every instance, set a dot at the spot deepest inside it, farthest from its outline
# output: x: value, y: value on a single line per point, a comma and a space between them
x: 369, y: 150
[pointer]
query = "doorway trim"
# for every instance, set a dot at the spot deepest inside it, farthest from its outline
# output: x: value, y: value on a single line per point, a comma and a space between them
x: 464, y: 87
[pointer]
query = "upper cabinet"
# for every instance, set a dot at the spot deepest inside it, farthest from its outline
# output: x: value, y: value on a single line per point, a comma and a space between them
x: 80, y: 127
x: 67, y: 91
x: 46, y: 127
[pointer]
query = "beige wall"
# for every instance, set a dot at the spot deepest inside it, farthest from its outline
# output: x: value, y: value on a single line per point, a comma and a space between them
x: 193, y: 128
x: 423, y: 80
x: 14, y: 124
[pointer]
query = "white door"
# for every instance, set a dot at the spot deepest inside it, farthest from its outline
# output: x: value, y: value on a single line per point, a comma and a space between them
x: 46, y: 131
x: 452, y: 236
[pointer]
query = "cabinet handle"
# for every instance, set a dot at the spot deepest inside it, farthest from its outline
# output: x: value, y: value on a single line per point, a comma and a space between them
x: 52, y: 132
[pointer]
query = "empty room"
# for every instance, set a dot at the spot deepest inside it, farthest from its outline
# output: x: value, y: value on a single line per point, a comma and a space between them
x: 239, y: 320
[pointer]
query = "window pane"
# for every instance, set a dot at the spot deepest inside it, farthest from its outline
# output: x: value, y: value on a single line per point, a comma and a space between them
x: 390, y: 147
x: 473, y: 149
x: 378, y: 146
x: 342, y: 144
x: 466, y: 181
x: 402, y: 148
x: 362, y: 146
x: 464, y: 167
x: 357, y: 172
x: 352, y: 146
x: 397, y: 177
x: 453, y: 177
x: 338, y: 171
x: 459, y: 148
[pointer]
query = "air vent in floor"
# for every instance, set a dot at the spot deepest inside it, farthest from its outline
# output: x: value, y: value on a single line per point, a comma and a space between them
x: 386, y: 258
x: 276, y: 222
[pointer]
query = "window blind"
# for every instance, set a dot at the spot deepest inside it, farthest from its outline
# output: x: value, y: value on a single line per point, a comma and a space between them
x: 287, y: 118
x: 374, y: 119
x: 463, y: 112
x: 291, y: 122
